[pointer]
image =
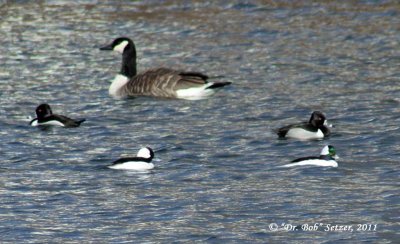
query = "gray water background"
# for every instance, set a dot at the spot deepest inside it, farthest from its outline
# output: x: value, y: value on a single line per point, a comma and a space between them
x: 217, y: 176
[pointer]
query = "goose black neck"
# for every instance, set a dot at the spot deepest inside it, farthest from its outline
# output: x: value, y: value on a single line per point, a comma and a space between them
x: 128, y: 68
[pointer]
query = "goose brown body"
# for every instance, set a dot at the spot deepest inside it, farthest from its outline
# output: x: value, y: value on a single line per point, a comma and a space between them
x: 161, y: 82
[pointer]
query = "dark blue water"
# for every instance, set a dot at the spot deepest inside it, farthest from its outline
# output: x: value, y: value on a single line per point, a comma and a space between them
x: 217, y: 176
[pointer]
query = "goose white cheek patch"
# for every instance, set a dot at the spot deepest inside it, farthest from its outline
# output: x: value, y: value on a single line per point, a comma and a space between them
x: 120, y: 47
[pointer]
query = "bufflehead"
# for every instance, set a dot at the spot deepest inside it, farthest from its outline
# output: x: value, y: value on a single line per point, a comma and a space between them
x: 315, y: 128
x: 141, y: 162
x: 326, y: 159
x: 159, y: 82
x: 46, y: 117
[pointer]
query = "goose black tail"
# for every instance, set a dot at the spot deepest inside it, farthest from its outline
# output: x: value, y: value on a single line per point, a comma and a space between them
x: 219, y: 84
x: 80, y: 121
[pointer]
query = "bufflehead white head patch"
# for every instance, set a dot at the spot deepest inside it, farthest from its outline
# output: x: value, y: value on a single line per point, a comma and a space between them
x: 145, y: 152
x: 329, y: 151
x: 325, y: 151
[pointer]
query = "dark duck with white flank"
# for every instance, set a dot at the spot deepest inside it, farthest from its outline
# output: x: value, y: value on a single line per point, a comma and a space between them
x: 159, y: 82
x: 315, y: 128
x: 45, y: 117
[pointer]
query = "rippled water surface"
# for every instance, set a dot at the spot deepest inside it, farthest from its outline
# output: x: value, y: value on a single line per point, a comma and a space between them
x: 217, y: 175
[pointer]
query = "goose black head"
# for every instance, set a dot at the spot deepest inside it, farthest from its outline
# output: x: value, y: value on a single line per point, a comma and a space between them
x: 125, y: 46
x: 121, y: 44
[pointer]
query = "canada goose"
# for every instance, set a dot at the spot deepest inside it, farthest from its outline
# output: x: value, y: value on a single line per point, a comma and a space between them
x: 159, y: 82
